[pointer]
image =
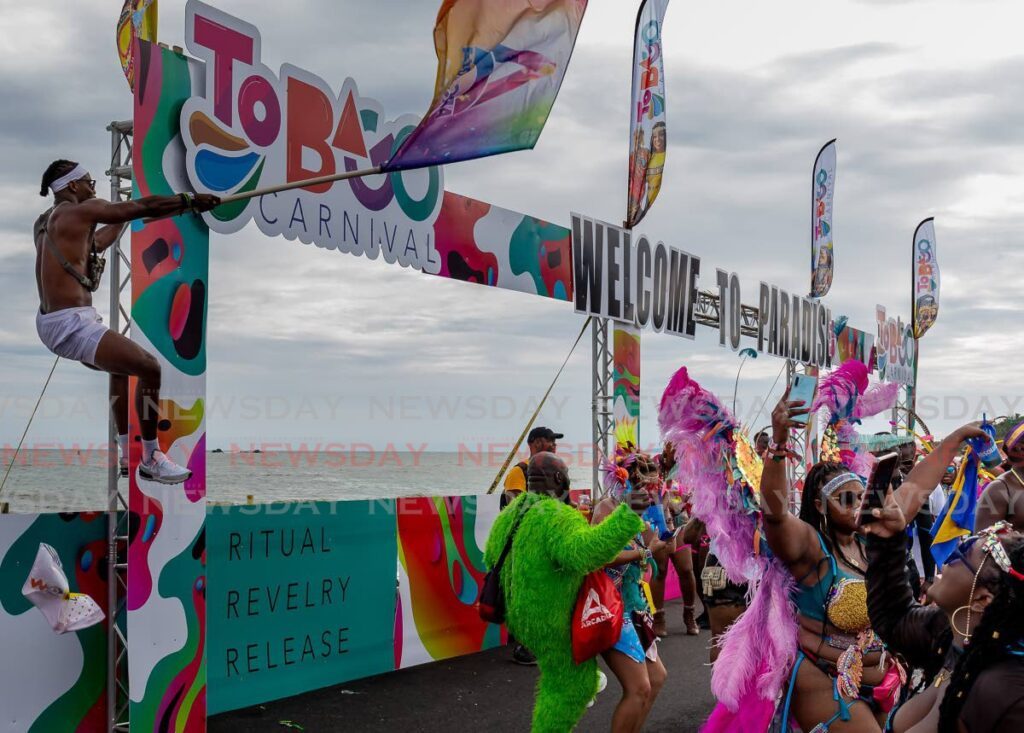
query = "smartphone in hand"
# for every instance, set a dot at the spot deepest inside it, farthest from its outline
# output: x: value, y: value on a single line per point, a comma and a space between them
x: 878, y: 486
x: 802, y: 390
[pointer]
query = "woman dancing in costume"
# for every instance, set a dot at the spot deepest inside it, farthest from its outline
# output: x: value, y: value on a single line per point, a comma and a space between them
x: 970, y: 641
x: 762, y: 654
x: 631, y: 478
x: 676, y: 550
x: 843, y: 679
x: 720, y: 468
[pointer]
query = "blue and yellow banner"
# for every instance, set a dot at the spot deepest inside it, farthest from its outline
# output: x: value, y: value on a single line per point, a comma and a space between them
x: 957, y: 518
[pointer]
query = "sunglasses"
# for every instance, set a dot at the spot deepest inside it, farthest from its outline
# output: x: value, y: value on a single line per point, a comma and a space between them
x: 960, y: 554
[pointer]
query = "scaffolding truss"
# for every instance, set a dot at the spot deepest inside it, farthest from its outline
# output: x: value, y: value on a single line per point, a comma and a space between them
x: 119, y: 269
x: 707, y: 312
x: 708, y: 308
x: 603, y: 395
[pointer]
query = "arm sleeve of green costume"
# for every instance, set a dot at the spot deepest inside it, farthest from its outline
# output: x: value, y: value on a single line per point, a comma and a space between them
x: 576, y: 546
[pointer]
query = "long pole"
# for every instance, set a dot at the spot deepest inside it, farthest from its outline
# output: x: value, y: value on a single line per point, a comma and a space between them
x: 522, y: 435
x: 301, y: 184
x: 287, y: 187
x: 736, y: 387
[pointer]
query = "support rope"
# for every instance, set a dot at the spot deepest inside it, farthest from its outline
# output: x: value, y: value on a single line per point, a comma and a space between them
x: 529, y: 425
x: 31, y: 417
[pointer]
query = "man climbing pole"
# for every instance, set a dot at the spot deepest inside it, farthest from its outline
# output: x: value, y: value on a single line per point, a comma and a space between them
x: 68, y: 271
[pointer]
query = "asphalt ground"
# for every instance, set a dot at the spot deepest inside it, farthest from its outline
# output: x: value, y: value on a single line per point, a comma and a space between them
x: 480, y: 692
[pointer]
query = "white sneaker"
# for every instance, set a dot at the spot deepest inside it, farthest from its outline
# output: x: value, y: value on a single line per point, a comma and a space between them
x: 163, y: 470
x: 602, y: 682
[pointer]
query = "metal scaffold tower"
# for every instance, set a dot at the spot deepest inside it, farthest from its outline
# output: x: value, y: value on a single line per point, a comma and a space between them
x: 119, y: 268
x: 797, y: 470
x: 706, y: 313
x: 602, y: 409
x: 904, y: 418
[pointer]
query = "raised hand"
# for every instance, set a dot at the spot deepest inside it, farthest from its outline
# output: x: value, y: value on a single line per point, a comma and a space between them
x: 782, y: 417
x: 889, y: 520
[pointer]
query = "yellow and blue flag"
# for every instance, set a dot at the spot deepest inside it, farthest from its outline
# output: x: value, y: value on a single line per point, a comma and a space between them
x: 957, y: 518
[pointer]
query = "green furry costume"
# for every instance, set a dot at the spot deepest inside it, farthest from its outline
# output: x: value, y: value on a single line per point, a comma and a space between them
x: 553, y: 550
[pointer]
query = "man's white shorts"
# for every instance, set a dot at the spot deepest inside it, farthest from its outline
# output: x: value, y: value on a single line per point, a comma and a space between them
x: 72, y: 333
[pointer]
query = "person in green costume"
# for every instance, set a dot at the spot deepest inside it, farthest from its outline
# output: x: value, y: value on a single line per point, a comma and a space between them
x: 553, y: 550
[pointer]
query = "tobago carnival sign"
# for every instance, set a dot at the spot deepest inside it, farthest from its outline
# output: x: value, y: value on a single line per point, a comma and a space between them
x: 255, y: 128
x: 896, y: 349
x: 630, y: 279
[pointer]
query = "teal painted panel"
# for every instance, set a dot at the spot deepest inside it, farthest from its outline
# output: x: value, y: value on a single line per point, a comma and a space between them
x: 300, y: 596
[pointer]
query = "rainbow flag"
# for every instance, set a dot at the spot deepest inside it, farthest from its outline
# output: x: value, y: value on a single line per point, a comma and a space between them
x: 957, y: 518
x: 500, y: 65
x: 137, y: 20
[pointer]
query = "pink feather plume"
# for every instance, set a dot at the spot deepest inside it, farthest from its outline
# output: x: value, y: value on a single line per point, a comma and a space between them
x: 876, y: 400
x: 760, y: 648
x: 839, y: 390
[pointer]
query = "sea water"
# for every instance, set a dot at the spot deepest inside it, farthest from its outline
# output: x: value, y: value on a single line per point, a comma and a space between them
x: 76, y: 480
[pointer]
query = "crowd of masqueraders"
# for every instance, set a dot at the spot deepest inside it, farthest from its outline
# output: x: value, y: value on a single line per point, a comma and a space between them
x: 826, y: 614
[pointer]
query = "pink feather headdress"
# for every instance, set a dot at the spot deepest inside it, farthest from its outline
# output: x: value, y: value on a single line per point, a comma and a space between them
x: 760, y: 648
x: 848, y: 398
x: 615, y: 469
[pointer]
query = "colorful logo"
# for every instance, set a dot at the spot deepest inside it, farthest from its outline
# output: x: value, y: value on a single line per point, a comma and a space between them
x: 256, y: 128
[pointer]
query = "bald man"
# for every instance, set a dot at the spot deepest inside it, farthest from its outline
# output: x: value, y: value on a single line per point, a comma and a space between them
x: 552, y: 551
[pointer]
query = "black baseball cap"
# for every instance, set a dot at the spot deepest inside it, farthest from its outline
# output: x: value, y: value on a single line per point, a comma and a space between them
x: 546, y: 433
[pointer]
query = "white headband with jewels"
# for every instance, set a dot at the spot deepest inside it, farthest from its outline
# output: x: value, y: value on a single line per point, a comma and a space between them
x: 61, y: 183
x: 844, y: 478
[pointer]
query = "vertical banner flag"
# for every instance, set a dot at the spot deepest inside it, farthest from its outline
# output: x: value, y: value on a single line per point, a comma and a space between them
x: 648, y: 140
x: 500, y: 65
x: 137, y: 20
x: 925, y: 269
x: 823, y: 187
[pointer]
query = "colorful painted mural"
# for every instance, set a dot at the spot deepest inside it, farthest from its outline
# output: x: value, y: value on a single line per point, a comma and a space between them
x: 488, y: 245
x: 184, y: 140
x: 60, y: 680
x: 440, y: 551
x: 626, y: 377
x: 167, y: 554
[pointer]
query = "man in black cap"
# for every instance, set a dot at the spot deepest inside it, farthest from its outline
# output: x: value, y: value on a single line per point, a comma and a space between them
x: 540, y: 440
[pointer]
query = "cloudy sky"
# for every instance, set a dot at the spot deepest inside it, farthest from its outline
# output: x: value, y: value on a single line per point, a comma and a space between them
x: 312, y: 345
